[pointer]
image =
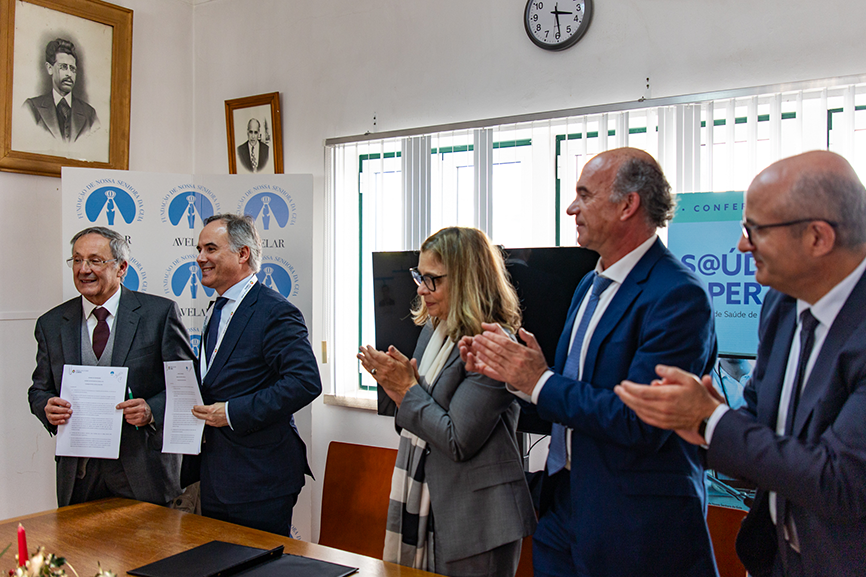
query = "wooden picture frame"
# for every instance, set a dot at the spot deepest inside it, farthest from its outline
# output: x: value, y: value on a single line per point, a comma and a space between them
x: 33, y: 140
x: 263, y: 109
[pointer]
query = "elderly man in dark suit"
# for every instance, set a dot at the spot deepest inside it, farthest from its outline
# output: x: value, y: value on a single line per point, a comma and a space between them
x: 57, y: 112
x: 620, y: 497
x: 253, y: 154
x: 111, y: 326
x: 801, y: 438
x: 257, y: 370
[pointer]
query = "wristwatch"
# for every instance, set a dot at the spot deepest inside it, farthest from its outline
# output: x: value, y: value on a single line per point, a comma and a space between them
x: 702, y: 428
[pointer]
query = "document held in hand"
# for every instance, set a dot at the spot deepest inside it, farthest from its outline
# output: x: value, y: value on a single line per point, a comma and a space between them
x: 93, y: 430
x: 182, y: 432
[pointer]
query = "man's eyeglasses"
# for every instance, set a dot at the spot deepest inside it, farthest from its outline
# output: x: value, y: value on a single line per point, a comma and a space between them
x: 428, y: 280
x: 93, y: 263
x: 749, y: 228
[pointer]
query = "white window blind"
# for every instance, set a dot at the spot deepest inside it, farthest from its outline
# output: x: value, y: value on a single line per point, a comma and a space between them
x: 515, y: 177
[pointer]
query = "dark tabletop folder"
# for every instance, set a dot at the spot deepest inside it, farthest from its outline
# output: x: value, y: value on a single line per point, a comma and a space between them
x: 221, y: 559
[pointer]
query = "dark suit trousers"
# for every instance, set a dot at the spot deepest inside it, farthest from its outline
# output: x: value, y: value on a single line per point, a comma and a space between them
x: 103, y: 478
x: 789, y: 563
x: 271, y: 515
x: 551, y: 543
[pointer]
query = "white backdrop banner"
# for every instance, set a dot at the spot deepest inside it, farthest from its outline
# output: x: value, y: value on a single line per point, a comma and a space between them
x: 161, y: 215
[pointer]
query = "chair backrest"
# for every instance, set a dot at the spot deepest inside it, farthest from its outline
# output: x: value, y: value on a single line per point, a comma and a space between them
x: 724, y: 524
x: 355, y: 495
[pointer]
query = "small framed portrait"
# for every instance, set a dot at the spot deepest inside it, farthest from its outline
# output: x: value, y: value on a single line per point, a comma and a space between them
x: 65, y: 74
x: 255, y: 134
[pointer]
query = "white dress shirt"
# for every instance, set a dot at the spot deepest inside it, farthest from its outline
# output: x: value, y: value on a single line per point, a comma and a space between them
x: 617, y: 272
x: 58, y: 97
x: 235, y: 296
x: 110, y: 305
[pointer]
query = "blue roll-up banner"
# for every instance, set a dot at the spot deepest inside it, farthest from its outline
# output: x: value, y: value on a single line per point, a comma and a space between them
x: 704, y: 235
x: 161, y: 215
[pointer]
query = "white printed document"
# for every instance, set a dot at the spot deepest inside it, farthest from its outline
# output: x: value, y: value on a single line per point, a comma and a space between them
x: 93, y: 430
x: 181, y: 431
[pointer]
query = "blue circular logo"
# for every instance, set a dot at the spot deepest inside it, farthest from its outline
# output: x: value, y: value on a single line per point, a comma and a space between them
x: 184, y: 206
x: 184, y: 276
x: 278, y: 274
x: 110, y: 200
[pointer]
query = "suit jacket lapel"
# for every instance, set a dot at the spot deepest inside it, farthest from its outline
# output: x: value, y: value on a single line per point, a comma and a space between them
x: 565, y: 338
x: 238, y: 322
x: 79, y: 119
x: 844, y: 325
x: 70, y: 332
x: 631, y: 287
x: 770, y: 389
x: 453, y: 357
x: 48, y: 112
x: 125, y: 326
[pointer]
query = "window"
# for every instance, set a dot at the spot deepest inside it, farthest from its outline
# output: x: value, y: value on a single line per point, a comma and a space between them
x: 514, y: 179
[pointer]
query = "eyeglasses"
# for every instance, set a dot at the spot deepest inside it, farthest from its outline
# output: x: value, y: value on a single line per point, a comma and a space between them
x: 749, y: 229
x: 93, y: 263
x: 428, y: 280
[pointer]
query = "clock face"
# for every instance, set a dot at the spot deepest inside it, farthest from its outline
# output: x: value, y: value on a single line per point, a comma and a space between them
x: 557, y: 24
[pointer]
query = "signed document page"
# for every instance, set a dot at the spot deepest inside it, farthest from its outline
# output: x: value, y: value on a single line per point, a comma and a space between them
x: 94, y: 428
x: 182, y: 432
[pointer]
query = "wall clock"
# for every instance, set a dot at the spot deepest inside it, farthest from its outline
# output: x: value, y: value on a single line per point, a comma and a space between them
x: 557, y: 24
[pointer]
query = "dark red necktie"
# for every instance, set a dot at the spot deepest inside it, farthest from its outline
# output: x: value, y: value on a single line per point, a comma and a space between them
x: 101, y: 332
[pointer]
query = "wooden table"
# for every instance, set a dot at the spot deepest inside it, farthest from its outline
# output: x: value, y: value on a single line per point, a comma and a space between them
x: 123, y: 534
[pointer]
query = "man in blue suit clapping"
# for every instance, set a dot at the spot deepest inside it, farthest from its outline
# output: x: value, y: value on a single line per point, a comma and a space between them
x: 619, y: 497
x: 257, y: 370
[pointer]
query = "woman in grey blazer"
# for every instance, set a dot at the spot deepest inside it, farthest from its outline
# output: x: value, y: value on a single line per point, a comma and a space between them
x: 459, y: 505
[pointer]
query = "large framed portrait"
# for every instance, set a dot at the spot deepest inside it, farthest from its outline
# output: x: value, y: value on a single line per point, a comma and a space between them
x: 258, y: 146
x: 65, y: 74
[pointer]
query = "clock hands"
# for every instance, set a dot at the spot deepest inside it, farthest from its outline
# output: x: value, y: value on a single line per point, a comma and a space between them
x: 556, y: 12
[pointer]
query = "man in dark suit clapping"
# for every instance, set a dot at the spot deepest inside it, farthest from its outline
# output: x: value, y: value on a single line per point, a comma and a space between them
x: 801, y: 438
x: 257, y: 370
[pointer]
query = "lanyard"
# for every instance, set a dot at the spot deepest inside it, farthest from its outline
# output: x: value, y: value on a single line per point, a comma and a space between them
x: 246, y: 289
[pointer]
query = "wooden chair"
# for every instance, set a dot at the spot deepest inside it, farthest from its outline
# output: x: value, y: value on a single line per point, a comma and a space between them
x: 524, y: 568
x: 355, y: 495
x: 724, y: 523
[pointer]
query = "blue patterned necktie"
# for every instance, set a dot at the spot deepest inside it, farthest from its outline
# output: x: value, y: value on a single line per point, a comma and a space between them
x: 557, y: 454
x: 213, y: 327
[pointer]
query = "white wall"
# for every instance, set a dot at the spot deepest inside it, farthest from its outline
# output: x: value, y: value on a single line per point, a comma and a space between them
x: 337, y: 63
x: 162, y: 129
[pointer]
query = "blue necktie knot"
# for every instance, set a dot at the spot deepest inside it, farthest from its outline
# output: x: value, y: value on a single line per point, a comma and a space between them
x: 213, y: 327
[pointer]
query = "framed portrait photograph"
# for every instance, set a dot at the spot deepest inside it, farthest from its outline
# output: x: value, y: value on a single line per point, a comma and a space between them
x: 255, y: 134
x: 65, y: 72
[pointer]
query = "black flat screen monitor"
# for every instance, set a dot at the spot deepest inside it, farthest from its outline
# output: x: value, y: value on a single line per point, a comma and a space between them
x: 545, y: 279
